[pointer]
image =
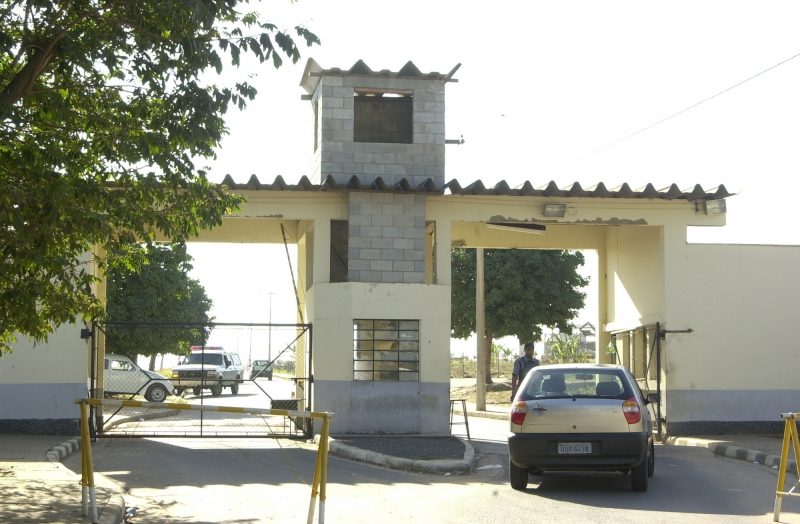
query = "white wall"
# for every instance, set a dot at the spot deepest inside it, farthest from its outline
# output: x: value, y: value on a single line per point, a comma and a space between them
x: 739, y: 365
x: 39, y: 383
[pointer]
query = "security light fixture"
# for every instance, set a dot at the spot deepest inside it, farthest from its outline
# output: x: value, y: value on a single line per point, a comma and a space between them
x: 518, y: 227
x: 555, y: 210
x: 715, y: 207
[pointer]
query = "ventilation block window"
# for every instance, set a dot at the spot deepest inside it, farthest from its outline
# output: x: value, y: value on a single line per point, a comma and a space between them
x: 386, y: 350
x: 386, y: 117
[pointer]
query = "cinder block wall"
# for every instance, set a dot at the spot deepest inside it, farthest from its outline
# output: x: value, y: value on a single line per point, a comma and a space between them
x: 339, y: 156
x: 386, y: 238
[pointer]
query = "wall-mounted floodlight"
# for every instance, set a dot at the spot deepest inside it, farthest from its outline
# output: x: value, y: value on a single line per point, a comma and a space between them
x: 715, y: 207
x: 555, y: 210
x: 518, y: 227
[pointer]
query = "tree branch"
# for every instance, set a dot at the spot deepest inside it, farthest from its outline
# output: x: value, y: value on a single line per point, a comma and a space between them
x: 22, y: 83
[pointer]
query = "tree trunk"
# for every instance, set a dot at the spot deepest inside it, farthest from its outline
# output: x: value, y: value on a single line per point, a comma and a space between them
x: 487, y: 351
x: 152, y: 362
x: 22, y: 83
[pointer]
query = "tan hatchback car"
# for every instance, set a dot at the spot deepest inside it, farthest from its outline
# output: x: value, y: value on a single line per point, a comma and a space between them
x: 574, y: 417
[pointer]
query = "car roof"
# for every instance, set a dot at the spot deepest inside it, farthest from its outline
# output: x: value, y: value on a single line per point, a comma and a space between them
x: 582, y: 366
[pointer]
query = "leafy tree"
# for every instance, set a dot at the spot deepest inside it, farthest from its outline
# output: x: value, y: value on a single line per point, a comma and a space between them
x: 565, y: 348
x: 160, y: 292
x: 525, y: 291
x: 105, y: 106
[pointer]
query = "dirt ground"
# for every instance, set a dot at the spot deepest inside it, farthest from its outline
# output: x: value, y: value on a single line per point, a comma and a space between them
x: 499, y: 392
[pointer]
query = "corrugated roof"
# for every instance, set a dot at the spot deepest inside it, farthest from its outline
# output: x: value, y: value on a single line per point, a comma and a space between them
x: 313, y: 71
x: 551, y: 189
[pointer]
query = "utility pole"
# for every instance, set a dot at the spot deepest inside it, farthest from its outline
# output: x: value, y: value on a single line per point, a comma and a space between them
x: 269, y: 332
x: 480, y: 333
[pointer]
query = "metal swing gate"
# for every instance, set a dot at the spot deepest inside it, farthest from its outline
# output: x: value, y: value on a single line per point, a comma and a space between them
x: 639, y: 349
x: 287, y: 348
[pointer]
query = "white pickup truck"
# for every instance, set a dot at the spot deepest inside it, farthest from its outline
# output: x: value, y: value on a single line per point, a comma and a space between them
x: 208, y: 367
x: 122, y: 376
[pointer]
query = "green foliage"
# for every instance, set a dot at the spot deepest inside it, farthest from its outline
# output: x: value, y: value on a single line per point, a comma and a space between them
x: 500, y: 351
x: 525, y: 290
x: 160, y: 292
x: 564, y: 348
x: 104, y: 109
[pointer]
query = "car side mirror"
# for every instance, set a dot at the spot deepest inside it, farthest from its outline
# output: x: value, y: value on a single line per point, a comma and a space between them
x: 653, y: 398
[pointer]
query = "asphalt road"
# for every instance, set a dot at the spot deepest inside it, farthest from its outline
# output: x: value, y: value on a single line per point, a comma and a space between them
x: 266, y: 480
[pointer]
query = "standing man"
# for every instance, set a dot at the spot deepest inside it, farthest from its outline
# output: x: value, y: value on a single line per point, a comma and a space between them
x: 521, y: 367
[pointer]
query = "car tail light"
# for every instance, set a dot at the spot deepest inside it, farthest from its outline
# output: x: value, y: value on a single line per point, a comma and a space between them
x: 518, y: 412
x: 632, y: 411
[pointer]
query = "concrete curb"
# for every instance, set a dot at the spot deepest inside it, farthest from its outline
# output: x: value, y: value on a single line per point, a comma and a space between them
x: 437, y: 466
x: 113, y: 512
x: 728, y: 450
x: 487, y: 414
x: 64, y: 450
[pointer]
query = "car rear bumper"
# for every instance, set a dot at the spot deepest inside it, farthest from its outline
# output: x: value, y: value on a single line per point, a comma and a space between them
x: 610, y: 451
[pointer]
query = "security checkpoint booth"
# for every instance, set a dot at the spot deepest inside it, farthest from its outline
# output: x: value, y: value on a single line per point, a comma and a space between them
x: 374, y: 224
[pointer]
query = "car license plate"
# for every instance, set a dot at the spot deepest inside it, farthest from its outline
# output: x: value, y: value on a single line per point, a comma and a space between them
x: 574, y: 448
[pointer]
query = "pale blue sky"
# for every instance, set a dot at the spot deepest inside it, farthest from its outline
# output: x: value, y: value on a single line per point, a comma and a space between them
x: 549, y: 91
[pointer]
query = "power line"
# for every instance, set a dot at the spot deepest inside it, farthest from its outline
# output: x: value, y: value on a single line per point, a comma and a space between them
x: 689, y: 108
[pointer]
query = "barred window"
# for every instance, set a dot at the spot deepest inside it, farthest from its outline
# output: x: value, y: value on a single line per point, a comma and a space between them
x: 386, y: 350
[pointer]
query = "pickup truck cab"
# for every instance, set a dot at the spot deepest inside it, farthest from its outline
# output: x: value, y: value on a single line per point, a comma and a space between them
x: 122, y: 376
x: 208, y: 367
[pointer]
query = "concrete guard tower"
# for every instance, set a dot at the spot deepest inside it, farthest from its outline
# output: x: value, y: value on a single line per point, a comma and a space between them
x: 381, y: 320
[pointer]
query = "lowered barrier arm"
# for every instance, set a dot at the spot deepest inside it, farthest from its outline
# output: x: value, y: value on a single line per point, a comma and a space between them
x: 789, y: 435
x: 319, y: 484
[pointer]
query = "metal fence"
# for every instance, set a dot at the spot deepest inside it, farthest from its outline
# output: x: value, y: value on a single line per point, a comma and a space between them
x: 639, y: 350
x: 260, y: 366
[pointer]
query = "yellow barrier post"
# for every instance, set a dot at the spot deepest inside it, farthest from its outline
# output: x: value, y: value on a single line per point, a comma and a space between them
x: 324, y: 473
x: 789, y: 435
x: 319, y: 484
x: 87, y: 468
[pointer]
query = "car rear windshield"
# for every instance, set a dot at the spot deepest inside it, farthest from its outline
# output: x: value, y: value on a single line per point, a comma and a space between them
x: 575, y: 383
x: 207, y: 359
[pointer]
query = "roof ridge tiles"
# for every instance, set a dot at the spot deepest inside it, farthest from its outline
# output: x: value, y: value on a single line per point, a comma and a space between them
x: 360, y: 68
x: 624, y: 191
x: 722, y: 192
x: 577, y: 190
x: 650, y: 191
x: 253, y: 182
x: 673, y: 192
x: 475, y: 188
x: 354, y: 183
x: 429, y: 185
x: 552, y: 189
x: 697, y: 193
x: 501, y: 187
x: 280, y: 182
x: 304, y: 183
x: 527, y: 189
x: 409, y: 69
x: 453, y: 186
x: 328, y: 183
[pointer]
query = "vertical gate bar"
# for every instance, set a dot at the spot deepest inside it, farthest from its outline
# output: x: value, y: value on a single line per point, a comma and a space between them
x: 97, y: 427
x: 658, y: 380
x: 310, y: 383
